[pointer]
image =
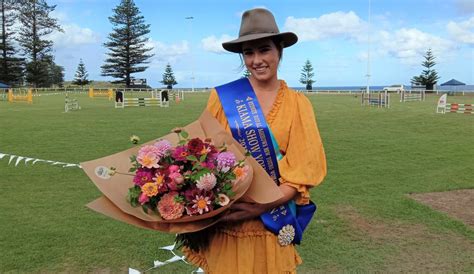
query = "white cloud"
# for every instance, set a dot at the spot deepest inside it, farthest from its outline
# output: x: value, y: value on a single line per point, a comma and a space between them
x: 463, y: 31
x: 74, y: 35
x: 214, y: 44
x: 167, y: 53
x: 332, y: 25
x: 409, y: 45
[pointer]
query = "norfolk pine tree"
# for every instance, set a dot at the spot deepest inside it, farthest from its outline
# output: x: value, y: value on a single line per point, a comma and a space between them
x: 36, y: 23
x: 126, y: 45
x: 11, y: 67
x: 307, y: 75
x: 80, y: 78
x: 55, y: 75
x: 168, y: 77
x: 429, y: 77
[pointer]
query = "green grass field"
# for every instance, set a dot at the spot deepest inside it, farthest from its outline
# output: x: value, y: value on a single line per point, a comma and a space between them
x: 365, y: 223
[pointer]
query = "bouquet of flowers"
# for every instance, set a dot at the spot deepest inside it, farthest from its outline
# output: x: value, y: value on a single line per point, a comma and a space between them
x: 192, y: 178
x: 182, y: 182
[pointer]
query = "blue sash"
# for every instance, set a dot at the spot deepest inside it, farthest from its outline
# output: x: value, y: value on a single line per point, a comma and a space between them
x: 250, y: 129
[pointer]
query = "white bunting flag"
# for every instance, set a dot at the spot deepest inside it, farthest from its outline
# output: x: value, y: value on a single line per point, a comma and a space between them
x: 35, y: 160
x: 18, y: 160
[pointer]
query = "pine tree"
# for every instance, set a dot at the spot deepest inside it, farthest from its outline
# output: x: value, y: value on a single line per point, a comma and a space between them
x: 429, y: 77
x: 168, y: 77
x: 11, y: 67
x: 127, y: 50
x: 80, y: 78
x: 36, y: 23
x: 307, y: 75
x: 55, y: 75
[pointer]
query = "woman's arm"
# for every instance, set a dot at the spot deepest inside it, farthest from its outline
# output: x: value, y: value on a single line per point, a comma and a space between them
x: 242, y: 210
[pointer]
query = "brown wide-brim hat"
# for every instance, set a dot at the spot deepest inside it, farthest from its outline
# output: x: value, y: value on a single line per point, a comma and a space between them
x: 257, y: 24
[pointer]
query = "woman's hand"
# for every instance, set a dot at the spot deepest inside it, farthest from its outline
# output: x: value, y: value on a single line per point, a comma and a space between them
x: 244, y: 211
x: 240, y: 211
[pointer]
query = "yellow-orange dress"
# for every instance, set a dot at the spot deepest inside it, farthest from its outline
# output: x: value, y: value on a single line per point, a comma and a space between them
x: 247, y: 247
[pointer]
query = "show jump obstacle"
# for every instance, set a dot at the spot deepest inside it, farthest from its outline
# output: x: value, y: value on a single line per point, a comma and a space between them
x: 444, y: 107
x: 159, y: 98
x: 379, y: 99
x: 412, y: 96
x: 71, y: 104
x: 22, y: 97
x: 93, y: 93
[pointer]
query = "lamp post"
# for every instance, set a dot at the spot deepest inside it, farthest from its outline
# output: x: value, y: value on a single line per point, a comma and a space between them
x: 190, y: 18
x: 368, y: 54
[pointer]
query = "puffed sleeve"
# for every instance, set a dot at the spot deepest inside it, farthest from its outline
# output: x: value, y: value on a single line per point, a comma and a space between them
x: 304, y: 163
x: 215, y: 108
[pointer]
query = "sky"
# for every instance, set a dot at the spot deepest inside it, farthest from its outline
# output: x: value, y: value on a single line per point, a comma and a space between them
x: 336, y: 36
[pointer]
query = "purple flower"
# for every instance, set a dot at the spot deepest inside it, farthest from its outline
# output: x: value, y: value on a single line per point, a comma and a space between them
x: 143, y: 176
x: 163, y: 146
x: 180, y: 153
x: 225, y: 160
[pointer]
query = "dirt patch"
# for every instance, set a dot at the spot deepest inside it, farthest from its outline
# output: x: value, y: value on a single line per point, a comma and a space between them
x: 409, y: 247
x: 457, y: 203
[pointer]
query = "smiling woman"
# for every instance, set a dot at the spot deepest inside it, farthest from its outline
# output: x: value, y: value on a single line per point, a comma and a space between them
x: 278, y: 127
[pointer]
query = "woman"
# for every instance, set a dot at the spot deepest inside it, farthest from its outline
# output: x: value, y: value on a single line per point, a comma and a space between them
x: 242, y: 243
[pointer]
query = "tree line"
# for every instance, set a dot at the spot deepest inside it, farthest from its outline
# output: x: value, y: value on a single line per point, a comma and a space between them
x: 427, y: 79
x: 26, y: 54
x: 30, y: 61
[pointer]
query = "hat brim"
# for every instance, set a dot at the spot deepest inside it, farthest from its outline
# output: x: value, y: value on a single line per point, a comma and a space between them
x: 288, y: 39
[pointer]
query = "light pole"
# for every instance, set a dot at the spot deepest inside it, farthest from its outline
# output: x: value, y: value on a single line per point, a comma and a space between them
x: 190, y: 18
x: 368, y: 54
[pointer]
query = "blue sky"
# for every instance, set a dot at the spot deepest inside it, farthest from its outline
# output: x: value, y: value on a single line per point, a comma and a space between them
x: 333, y: 35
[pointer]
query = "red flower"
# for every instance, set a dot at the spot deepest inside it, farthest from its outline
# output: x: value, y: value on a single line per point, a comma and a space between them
x: 195, y: 146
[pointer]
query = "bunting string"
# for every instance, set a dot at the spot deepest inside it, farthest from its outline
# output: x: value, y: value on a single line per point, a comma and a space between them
x: 16, y: 159
x: 175, y: 258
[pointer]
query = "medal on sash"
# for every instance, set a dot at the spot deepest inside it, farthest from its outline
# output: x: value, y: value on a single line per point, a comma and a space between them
x: 250, y: 129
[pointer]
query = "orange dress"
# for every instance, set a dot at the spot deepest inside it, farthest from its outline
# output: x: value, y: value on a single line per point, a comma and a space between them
x: 247, y: 247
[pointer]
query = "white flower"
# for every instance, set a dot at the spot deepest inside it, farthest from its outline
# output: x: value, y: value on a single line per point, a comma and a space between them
x: 206, y: 182
x: 223, y: 199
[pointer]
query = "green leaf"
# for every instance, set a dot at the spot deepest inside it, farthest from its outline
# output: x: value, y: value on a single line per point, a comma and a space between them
x: 203, y: 158
x: 192, y: 158
x: 184, y: 134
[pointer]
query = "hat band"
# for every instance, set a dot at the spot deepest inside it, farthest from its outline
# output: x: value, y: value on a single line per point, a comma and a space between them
x: 259, y: 32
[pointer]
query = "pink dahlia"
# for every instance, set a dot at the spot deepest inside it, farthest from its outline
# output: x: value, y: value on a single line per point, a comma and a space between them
x: 240, y: 173
x: 206, y: 181
x: 168, y: 208
x: 173, y: 168
x: 149, y: 156
x: 163, y: 147
x: 225, y: 161
x: 176, y: 177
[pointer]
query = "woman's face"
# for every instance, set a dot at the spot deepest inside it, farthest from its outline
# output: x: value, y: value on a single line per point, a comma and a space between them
x: 261, y: 57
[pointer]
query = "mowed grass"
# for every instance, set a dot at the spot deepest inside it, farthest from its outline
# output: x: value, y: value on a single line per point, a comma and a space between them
x: 365, y: 221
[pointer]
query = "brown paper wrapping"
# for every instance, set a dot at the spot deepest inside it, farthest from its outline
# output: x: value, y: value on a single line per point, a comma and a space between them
x: 258, y: 186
